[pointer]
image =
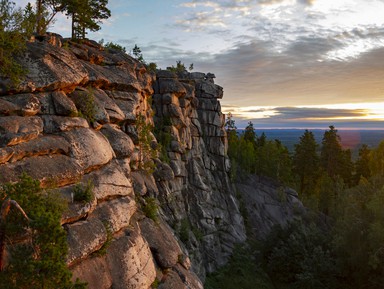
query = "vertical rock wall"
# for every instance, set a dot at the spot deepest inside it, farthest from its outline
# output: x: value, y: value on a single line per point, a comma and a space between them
x: 73, y: 122
x: 196, y: 196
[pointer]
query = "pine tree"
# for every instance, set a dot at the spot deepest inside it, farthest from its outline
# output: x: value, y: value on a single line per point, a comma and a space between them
x: 12, y: 42
x: 306, y: 162
x: 331, y: 152
x: 86, y: 15
x: 362, y: 164
x: 249, y: 133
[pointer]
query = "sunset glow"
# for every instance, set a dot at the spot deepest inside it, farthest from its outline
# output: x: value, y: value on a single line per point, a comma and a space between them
x: 285, y: 61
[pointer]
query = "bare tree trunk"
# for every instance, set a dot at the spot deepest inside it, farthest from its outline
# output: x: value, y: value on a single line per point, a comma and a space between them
x: 5, y: 208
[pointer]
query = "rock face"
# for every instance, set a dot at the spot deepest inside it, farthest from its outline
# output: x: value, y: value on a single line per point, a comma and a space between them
x: 79, y: 120
x: 199, y: 198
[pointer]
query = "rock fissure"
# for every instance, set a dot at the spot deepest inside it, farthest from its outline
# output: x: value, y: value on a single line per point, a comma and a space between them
x: 177, y: 221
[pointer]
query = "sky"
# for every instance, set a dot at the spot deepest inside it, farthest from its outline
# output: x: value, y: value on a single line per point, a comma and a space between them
x: 282, y: 63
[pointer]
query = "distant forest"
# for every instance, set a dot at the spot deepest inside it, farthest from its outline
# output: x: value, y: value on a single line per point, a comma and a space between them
x: 340, y: 242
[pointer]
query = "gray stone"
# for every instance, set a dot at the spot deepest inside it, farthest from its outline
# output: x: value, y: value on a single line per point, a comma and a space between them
x: 110, y: 182
x: 55, y: 124
x: 84, y: 238
x: 130, y: 262
x: 93, y: 271
x: 163, y: 172
x: 45, y: 145
x: 25, y: 104
x: 17, y: 129
x: 58, y: 169
x: 116, y: 214
x: 50, y: 68
x: 121, y: 143
x: 63, y: 104
x: 90, y: 148
x: 114, y: 112
x: 162, y: 242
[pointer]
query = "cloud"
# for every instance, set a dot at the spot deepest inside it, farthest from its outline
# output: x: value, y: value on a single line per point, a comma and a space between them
x: 303, y: 117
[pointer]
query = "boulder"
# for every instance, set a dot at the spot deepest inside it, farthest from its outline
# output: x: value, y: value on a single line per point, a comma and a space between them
x: 162, y: 242
x: 55, y: 124
x: 63, y: 104
x: 84, y: 238
x: 93, y: 271
x: 121, y: 143
x: 130, y: 262
x: 50, y: 68
x: 116, y: 214
x: 114, y: 112
x: 45, y: 145
x: 18, y: 129
x: 90, y: 148
x: 24, y: 104
x: 58, y: 169
x: 110, y: 182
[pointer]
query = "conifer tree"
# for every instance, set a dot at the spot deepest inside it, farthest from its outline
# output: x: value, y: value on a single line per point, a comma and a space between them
x: 306, y: 162
x: 331, y: 152
x: 86, y: 15
x: 249, y: 133
x: 362, y: 164
x: 12, y: 42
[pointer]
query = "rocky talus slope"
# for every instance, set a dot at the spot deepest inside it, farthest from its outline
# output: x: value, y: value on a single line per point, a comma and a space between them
x: 75, y: 120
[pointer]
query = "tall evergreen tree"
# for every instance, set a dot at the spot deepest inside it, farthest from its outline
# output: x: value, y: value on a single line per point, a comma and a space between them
x: 249, y: 133
x: 13, y: 32
x: 86, y: 15
x: 306, y: 162
x: 331, y: 152
x: 362, y: 164
x: 46, y: 10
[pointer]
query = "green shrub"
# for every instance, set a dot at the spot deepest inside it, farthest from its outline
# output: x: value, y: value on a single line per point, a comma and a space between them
x: 240, y: 272
x: 39, y: 263
x: 103, y: 250
x: 184, y: 230
x: 87, y: 107
x: 150, y: 208
x: 147, y: 152
x: 83, y: 192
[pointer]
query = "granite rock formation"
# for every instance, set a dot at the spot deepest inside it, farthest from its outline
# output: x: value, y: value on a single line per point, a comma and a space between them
x: 74, y: 121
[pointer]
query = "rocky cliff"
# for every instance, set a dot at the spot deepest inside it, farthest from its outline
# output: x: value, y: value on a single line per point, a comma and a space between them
x: 78, y: 119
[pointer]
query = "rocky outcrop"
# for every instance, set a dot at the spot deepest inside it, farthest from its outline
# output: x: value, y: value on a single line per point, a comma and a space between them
x: 197, y: 195
x: 162, y: 208
x: 268, y: 204
x: 73, y: 122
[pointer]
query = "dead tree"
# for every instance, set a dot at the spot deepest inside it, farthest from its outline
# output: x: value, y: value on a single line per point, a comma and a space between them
x: 5, y: 208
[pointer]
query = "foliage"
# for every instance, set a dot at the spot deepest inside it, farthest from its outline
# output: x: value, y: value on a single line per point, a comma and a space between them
x: 39, y: 263
x: 112, y: 46
x: 83, y: 192
x: 306, y: 162
x: 300, y: 256
x: 151, y: 208
x: 250, y: 154
x: 103, y: 250
x: 184, y: 230
x: 241, y: 272
x: 87, y: 106
x: 46, y: 10
x: 146, y: 146
x: 86, y: 15
x: 163, y: 135
x: 136, y: 51
x: 14, y: 29
x: 334, y: 160
x: 180, y: 67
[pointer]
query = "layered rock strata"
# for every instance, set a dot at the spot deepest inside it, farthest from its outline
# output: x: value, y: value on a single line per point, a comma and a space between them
x: 73, y: 123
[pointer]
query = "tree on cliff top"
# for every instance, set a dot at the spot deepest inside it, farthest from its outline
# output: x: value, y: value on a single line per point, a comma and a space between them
x: 86, y: 15
x: 13, y: 31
